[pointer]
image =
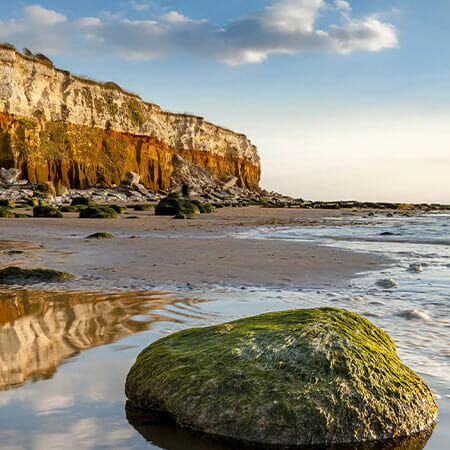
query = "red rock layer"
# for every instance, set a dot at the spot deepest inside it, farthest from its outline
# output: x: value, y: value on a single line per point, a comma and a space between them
x: 80, y: 156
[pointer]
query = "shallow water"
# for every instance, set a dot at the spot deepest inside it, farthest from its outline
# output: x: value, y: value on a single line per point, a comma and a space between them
x: 64, y: 356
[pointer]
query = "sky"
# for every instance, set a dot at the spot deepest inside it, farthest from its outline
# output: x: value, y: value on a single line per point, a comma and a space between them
x: 344, y: 99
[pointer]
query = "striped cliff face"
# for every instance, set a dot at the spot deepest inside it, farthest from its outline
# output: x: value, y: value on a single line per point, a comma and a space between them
x: 58, y: 127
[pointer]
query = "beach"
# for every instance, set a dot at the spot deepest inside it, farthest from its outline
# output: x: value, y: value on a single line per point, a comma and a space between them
x: 159, y: 252
x: 67, y: 347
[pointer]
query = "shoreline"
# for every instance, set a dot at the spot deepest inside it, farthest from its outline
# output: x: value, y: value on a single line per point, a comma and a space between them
x: 160, y: 253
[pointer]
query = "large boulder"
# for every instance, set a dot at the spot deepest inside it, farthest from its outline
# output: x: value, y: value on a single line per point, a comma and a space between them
x: 47, y: 211
x: 174, y: 204
x: 130, y: 178
x: 302, y: 377
x: 190, y: 174
x: 99, y: 212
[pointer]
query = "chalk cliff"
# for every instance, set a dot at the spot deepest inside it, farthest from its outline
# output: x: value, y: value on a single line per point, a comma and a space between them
x: 59, y: 127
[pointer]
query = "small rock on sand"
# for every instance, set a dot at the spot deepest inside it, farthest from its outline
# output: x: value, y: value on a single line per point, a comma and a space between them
x: 415, y: 268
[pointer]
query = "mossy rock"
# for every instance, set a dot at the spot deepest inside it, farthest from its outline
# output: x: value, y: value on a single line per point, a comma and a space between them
x: 72, y: 208
x: 189, y: 208
x: 47, y: 211
x: 81, y: 201
x: 206, y: 208
x: 32, y: 202
x: 169, y: 206
x: 98, y: 212
x: 302, y: 377
x: 100, y: 235
x: 118, y: 209
x: 6, y: 212
x: 174, y: 204
x: 7, y: 203
x: 19, y: 275
x: 143, y: 207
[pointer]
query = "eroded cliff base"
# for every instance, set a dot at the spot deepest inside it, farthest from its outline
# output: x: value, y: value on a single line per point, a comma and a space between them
x: 77, y: 132
x: 79, y: 156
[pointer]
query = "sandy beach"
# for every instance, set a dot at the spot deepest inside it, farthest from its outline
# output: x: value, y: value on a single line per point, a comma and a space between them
x: 160, y: 252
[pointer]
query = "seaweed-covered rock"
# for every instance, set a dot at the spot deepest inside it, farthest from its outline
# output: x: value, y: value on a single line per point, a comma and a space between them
x: 142, y: 207
x: 6, y: 202
x: 72, y: 208
x: 18, y: 275
x: 46, y: 211
x: 98, y: 212
x: 6, y: 211
x: 81, y: 201
x: 100, y: 235
x: 301, y: 377
x: 169, y: 206
x: 32, y: 202
x: 189, y: 208
x: 206, y: 208
x: 174, y: 204
x: 119, y: 209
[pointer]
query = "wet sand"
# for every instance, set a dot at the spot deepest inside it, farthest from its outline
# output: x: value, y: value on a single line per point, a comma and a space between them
x: 161, y: 252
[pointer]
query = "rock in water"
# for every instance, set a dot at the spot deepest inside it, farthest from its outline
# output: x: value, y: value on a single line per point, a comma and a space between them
x: 415, y: 268
x: 301, y: 377
x: 387, y: 283
x: 18, y: 275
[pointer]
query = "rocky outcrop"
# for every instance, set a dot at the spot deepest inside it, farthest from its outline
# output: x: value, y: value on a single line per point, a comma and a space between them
x: 58, y: 127
x: 303, y: 377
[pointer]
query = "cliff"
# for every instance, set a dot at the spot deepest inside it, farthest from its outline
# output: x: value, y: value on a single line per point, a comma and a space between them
x: 40, y: 329
x: 55, y: 126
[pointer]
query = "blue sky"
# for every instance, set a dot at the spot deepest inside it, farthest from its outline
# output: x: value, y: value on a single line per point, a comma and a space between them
x: 343, y: 99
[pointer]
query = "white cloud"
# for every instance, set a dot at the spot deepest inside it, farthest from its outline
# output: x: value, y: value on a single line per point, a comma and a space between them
x: 175, y: 17
x: 38, y: 15
x: 291, y: 15
x: 139, y: 6
x: 343, y: 5
x: 285, y: 27
x: 89, y: 22
x: 368, y: 33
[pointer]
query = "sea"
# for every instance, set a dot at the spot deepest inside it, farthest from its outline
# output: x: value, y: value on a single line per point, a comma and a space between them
x: 64, y: 355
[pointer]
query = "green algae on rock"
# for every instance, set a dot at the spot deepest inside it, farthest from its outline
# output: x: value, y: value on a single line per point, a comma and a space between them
x: 47, y: 211
x: 7, y: 203
x: 100, y: 235
x: 98, y: 212
x: 300, y: 377
x: 142, y: 207
x: 174, y: 204
x: 18, y: 275
x: 6, y: 211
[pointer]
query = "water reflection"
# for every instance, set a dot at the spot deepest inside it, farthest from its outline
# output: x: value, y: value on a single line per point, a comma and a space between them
x: 163, y: 432
x: 39, y: 329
